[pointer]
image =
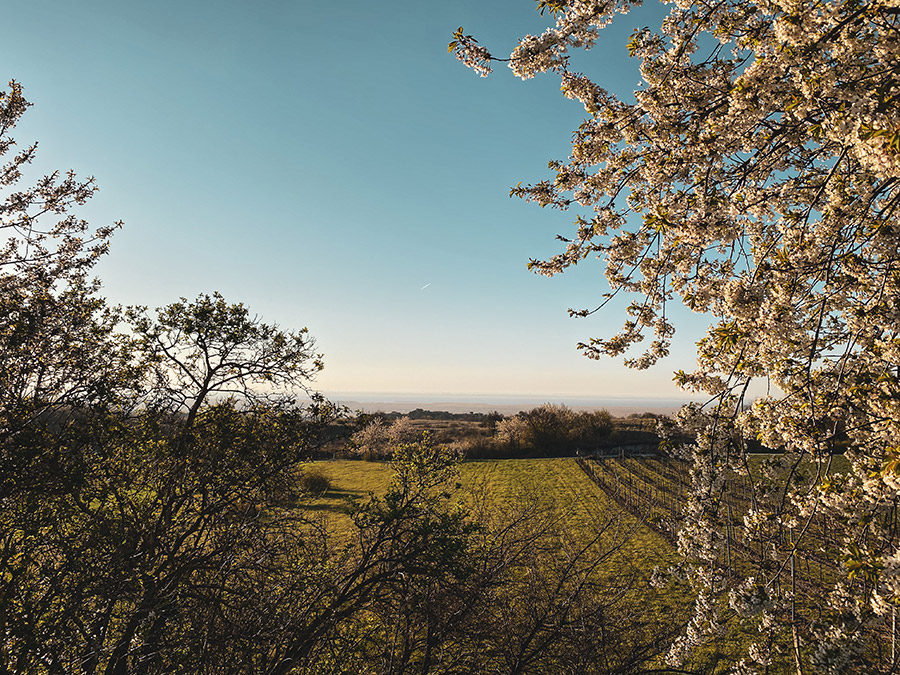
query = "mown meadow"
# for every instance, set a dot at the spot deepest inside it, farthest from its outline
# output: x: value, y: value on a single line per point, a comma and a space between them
x: 565, y: 495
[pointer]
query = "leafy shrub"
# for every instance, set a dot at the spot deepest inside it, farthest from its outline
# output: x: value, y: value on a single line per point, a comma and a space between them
x: 314, y: 482
x: 553, y: 429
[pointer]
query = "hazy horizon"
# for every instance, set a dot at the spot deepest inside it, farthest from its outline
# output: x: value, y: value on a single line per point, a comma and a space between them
x: 404, y: 402
x: 386, y: 395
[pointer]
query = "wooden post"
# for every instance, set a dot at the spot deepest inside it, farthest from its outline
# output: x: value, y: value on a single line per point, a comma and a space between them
x: 793, y: 605
x: 728, y: 537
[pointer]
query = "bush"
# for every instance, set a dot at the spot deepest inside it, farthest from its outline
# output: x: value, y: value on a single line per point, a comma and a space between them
x: 377, y: 438
x: 553, y: 429
x: 590, y: 427
x: 314, y: 482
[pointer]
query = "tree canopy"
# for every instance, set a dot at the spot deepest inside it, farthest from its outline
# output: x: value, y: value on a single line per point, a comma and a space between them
x: 755, y: 178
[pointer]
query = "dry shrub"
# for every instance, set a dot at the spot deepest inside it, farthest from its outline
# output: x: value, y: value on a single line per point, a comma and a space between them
x: 314, y: 482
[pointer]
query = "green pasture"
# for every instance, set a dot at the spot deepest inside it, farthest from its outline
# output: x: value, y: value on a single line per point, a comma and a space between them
x: 556, y: 487
x: 553, y: 484
x: 559, y: 488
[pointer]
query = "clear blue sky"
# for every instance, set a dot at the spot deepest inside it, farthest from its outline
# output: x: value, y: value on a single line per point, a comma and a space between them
x: 331, y: 166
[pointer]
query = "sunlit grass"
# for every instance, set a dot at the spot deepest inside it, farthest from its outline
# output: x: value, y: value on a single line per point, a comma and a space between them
x: 560, y: 487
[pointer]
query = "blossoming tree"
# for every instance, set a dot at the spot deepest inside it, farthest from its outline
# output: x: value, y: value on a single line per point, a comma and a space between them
x: 756, y: 179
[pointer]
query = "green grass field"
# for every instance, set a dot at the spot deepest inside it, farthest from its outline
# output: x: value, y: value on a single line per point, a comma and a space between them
x: 560, y: 488
x: 553, y: 483
x: 556, y: 486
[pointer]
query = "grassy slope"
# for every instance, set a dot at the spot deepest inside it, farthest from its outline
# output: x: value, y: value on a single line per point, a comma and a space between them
x: 557, y: 484
x: 579, y: 504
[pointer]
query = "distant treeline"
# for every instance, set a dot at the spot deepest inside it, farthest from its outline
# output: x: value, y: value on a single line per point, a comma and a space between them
x: 544, y: 431
x: 442, y: 415
x: 493, y: 416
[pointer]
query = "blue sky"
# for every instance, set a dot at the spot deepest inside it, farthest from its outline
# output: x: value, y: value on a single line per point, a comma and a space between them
x: 331, y: 166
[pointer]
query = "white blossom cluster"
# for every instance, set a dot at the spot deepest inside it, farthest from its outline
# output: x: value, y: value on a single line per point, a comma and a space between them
x: 750, y: 598
x: 702, y: 626
x: 837, y: 645
x: 756, y: 178
x: 743, y: 668
x: 470, y: 53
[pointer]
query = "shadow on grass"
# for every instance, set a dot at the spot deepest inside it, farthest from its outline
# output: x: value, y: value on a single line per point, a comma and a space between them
x: 336, y: 500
